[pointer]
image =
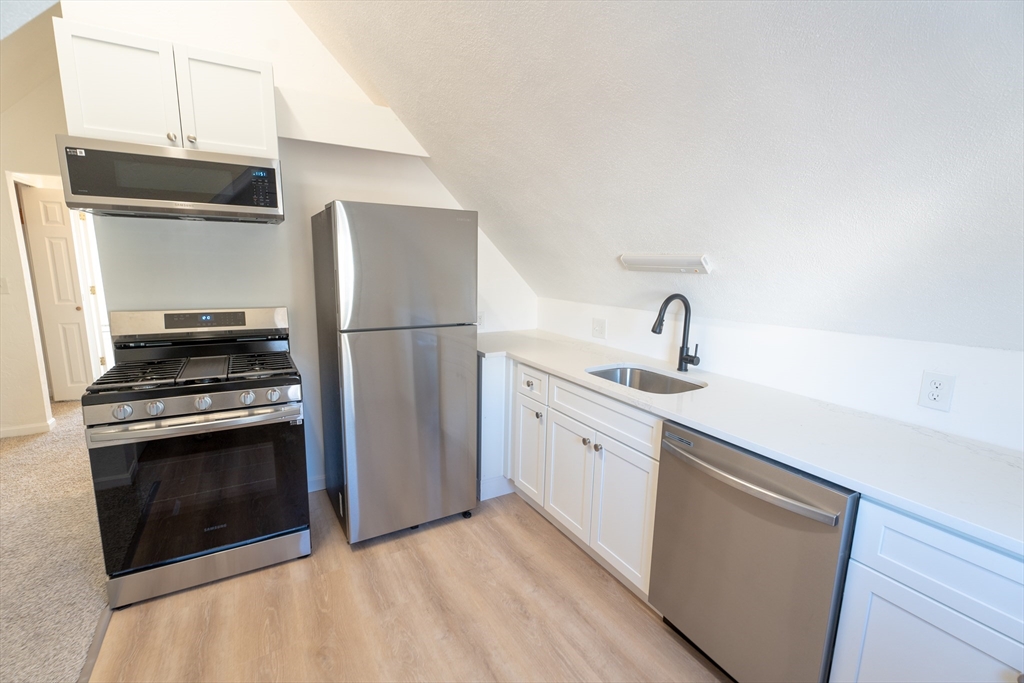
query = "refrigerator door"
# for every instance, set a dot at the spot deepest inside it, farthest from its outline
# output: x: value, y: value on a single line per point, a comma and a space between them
x: 408, y: 427
x: 404, y: 266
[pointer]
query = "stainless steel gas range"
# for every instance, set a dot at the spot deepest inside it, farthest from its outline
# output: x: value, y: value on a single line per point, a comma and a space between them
x: 197, y: 449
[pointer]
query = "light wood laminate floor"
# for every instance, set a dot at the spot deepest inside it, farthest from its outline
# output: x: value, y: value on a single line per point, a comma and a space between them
x: 501, y: 596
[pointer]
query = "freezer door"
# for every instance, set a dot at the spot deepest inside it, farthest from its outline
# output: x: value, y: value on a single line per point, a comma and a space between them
x: 404, y: 266
x: 409, y: 427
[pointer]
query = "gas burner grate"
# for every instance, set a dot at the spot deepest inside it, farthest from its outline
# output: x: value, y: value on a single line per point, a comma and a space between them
x: 142, y: 373
x: 252, y: 365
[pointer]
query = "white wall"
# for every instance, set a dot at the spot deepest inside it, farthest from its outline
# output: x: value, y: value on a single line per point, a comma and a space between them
x: 874, y: 374
x: 154, y: 264
x: 848, y: 166
x: 27, y: 146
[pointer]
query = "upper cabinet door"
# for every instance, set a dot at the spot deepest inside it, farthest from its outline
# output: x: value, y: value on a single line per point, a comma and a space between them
x: 117, y: 86
x: 227, y: 103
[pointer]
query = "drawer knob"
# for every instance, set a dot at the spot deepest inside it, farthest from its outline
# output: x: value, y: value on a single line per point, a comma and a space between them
x: 529, y: 384
x: 539, y: 414
x: 586, y: 441
x: 598, y: 447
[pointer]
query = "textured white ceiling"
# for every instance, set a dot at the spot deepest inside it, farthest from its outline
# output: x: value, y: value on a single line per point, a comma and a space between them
x: 846, y: 166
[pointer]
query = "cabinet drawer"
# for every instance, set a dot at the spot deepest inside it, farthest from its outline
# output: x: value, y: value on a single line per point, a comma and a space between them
x: 983, y: 583
x: 532, y: 382
x: 639, y: 430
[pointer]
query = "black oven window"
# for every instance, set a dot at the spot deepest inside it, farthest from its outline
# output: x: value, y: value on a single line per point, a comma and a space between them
x: 170, y: 499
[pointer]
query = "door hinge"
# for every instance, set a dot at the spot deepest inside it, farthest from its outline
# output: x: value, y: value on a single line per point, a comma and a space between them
x: 103, y: 360
x: 92, y: 289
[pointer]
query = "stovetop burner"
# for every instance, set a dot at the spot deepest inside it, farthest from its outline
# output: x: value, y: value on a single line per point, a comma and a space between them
x: 195, y: 370
x: 257, y: 365
x: 142, y: 374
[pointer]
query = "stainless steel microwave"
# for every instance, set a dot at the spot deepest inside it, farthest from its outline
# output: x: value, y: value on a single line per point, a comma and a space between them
x: 127, y: 179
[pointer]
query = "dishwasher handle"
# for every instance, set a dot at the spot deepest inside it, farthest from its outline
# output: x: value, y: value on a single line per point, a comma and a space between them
x: 767, y: 496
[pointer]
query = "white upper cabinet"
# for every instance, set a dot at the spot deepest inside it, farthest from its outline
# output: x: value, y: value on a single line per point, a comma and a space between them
x: 117, y: 86
x: 226, y: 103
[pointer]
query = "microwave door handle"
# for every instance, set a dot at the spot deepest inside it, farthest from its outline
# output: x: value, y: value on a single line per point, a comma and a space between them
x: 151, y: 430
x: 777, y: 499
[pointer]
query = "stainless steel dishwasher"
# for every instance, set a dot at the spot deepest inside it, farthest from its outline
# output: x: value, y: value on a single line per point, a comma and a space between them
x: 749, y: 558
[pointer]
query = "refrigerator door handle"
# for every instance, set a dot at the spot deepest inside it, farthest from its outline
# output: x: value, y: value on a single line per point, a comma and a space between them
x: 777, y: 499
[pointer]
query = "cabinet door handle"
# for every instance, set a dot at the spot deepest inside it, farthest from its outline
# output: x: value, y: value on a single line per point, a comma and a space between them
x: 529, y: 384
x: 598, y: 447
x: 539, y: 415
x: 172, y: 136
x: 190, y: 138
x: 586, y: 441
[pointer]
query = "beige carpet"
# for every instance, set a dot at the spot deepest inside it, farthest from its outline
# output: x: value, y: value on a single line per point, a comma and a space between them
x: 51, y: 562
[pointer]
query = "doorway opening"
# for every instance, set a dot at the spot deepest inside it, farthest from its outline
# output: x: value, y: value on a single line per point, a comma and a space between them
x: 64, y: 265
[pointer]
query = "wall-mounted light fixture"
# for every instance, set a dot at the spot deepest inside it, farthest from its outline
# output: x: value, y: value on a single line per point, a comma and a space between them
x: 674, y: 263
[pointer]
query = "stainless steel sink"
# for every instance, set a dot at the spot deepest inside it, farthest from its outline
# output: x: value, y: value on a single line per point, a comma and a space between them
x: 651, y: 381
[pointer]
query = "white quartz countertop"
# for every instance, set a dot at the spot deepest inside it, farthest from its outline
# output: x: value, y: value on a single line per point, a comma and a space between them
x: 970, y: 486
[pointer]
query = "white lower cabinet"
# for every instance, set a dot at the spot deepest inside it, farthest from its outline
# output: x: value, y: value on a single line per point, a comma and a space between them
x: 622, y: 521
x: 891, y: 633
x: 570, y: 473
x: 528, y: 446
x: 597, y: 488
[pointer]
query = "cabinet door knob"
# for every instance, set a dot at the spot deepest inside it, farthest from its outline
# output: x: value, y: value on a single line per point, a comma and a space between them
x: 539, y: 415
x: 529, y: 384
x: 586, y: 441
x: 598, y: 447
x: 172, y: 136
x: 190, y: 138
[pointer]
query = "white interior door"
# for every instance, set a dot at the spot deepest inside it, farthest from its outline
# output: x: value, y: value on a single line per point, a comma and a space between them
x: 117, y: 86
x: 227, y: 102
x: 55, y: 275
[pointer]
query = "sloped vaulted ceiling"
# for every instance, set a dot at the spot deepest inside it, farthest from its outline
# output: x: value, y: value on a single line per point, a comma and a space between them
x: 846, y: 166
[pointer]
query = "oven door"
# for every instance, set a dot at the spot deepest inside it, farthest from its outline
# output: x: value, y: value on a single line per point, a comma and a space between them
x: 172, y: 489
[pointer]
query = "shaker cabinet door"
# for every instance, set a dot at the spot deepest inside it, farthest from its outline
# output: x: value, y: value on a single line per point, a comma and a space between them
x: 227, y: 103
x: 888, y: 632
x: 570, y: 473
x: 117, y: 86
x: 622, y: 524
x: 528, y: 446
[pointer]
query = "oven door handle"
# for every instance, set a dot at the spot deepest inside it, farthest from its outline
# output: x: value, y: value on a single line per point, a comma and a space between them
x: 148, y: 431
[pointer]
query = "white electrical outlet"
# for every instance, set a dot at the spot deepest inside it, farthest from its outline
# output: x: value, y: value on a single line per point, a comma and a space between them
x: 480, y: 319
x: 599, y: 328
x: 936, y: 391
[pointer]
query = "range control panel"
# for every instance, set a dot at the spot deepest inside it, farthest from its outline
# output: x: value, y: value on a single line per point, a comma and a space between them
x: 178, y: 321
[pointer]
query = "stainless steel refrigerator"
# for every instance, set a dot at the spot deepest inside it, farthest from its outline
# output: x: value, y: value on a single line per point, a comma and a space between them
x: 396, y: 327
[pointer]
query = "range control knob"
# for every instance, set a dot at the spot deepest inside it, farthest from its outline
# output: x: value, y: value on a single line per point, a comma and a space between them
x: 154, y: 408
x: 247, y: 397
x: 122, y: 411
x: 273, y: 394
x: 203, y: 402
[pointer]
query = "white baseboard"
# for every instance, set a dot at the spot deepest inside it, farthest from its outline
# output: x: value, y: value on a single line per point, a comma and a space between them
x: 492, y: 487
x: 316, y: 484
x: 24, y: 430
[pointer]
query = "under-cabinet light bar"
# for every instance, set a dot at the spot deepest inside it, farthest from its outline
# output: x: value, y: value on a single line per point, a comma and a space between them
x: 675, y: 263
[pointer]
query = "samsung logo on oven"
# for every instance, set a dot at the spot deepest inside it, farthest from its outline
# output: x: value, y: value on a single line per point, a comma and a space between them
x: 214, y: 528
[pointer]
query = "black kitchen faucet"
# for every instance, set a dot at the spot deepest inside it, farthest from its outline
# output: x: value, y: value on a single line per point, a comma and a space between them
x: 685, y: 359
